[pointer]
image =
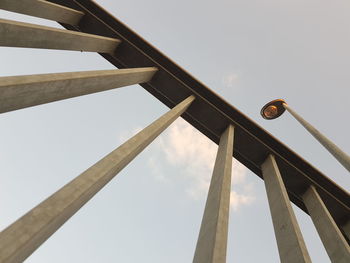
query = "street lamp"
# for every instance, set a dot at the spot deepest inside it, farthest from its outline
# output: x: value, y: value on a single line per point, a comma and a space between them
x: 275, y: 108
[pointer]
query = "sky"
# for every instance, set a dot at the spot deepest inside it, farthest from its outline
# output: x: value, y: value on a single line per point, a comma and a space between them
x: 249, y: 52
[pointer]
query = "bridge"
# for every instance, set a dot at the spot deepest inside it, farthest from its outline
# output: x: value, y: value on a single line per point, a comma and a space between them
x: 287, y: 176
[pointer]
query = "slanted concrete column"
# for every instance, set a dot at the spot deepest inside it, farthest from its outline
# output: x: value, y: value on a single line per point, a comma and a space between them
x: 21, y: 238
x: 43, y: 9
x: 291, y: 245
x: 212, y: 240
x: 18, y: 34
x: 24, y: 91
x: 333, y: 240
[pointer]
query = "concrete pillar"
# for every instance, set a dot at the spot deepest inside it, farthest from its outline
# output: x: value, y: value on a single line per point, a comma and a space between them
x: 21, y: 238
x: 18, y: 34
x: 24, y: 91
x: 341, y: 156
x: 333, y: 240
x: 212, y: 240
x: 290, y: 242
x: 43, y: 9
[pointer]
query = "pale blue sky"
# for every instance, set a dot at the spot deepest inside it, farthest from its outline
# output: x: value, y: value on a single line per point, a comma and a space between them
x: 249, y: 52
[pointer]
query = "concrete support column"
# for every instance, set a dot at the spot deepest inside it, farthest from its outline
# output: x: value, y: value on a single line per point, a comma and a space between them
x: 43, y: 9
x: 333, y: 240
x: 18, y: 34
x: 21, y: 238
x: 212, y: 240
x: 24, y: 91
x: 291, y: 245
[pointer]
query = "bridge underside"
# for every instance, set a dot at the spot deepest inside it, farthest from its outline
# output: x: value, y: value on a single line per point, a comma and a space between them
x: 209, y: 113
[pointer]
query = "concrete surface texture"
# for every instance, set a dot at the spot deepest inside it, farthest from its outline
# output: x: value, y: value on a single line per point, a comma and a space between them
x: 291, y: 245
x: 333, y: 240
x: 43, y: 9
x: 212, y: 241
x: 19, y: 92
x: 19, y: 34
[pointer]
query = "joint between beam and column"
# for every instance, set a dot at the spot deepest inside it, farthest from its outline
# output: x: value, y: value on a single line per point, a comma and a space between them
x: 346, y: 229
x: 43, y: 9
x: 19, y: 34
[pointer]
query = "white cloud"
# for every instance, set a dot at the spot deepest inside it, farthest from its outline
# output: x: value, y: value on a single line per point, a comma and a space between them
x: 237, y: 200
x: 229, y: 80
x: 183, y: 147
x: 190, y: 152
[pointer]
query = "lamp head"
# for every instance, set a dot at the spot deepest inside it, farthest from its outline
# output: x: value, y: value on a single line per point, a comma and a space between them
x: 273, y: 109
